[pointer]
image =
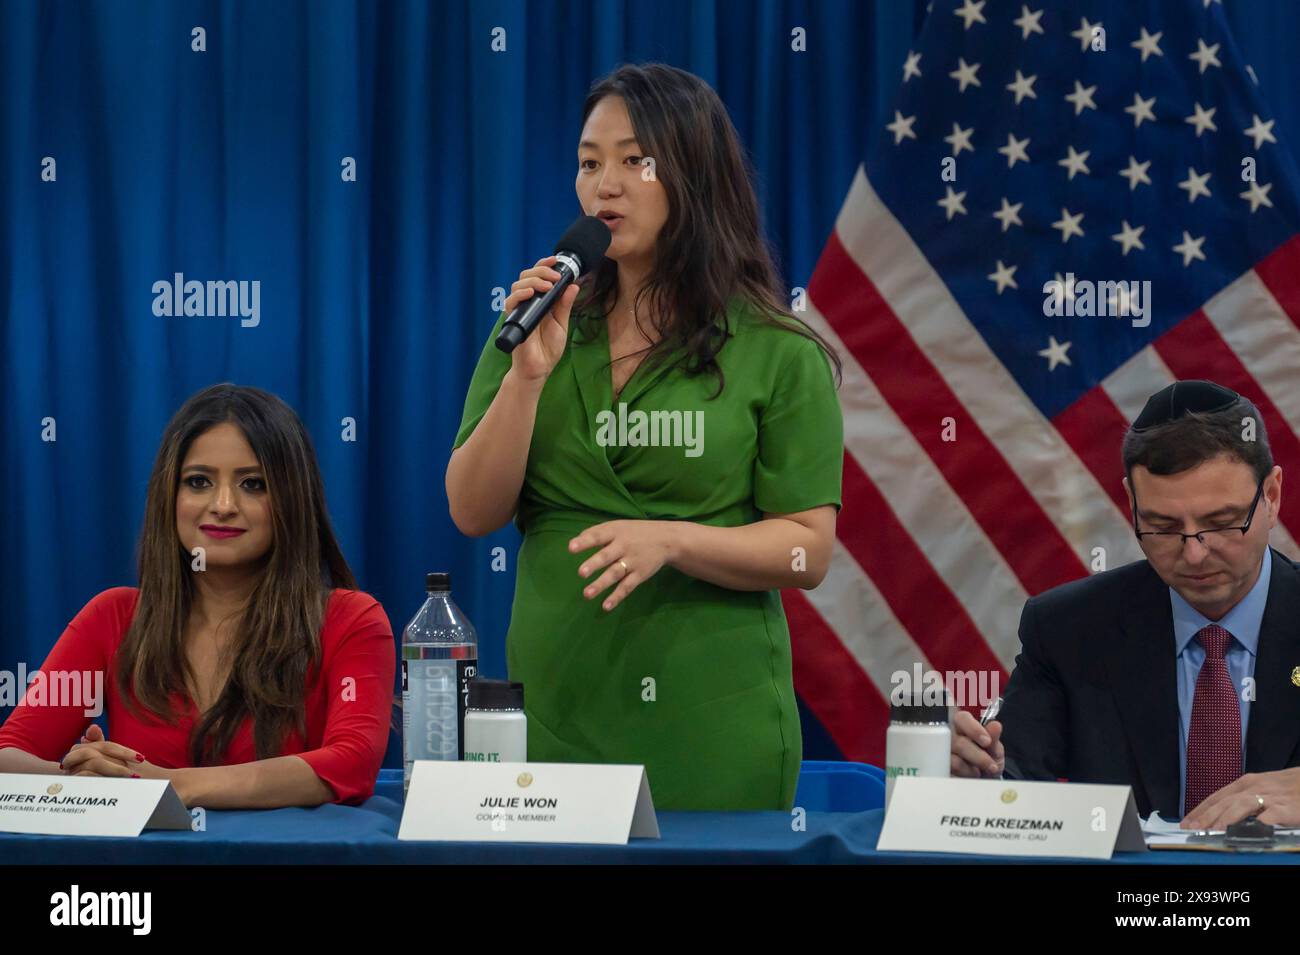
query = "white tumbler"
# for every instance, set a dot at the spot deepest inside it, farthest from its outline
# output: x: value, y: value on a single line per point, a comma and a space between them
x: 918, y: 742
x: 496, y: 729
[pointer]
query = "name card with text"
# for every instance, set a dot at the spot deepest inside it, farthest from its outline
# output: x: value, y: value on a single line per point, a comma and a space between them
x: 1010, y: 817
x: 88, y: 805
x: 528, y: 802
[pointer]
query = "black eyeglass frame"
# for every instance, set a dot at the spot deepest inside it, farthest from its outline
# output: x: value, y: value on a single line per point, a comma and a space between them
x: 1200, y: 539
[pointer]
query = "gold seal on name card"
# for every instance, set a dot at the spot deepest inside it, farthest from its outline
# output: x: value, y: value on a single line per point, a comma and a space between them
x: 54, y: 789
x: 1008, y: 795
x: 525, y: 780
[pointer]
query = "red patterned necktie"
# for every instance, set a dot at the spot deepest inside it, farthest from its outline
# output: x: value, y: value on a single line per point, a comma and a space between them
x: 1214, y: 737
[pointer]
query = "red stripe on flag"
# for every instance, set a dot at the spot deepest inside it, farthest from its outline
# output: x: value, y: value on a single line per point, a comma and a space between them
x: 1095, y: 428
x: 827, y: 676
x: 1194, y: 349
x: 918, y: 596
x: 1280, y: 272
x: 833, y: 686
x: 1035, y: 550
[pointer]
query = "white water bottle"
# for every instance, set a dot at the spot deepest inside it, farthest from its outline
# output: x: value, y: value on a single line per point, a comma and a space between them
x: 918, y: 742
x: 496, y: 729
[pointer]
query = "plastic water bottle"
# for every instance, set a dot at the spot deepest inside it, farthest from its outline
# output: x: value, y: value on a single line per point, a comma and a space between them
x: 439, y: 658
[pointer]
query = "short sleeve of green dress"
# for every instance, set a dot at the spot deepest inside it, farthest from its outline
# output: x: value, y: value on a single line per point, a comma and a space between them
x: 688, y: 678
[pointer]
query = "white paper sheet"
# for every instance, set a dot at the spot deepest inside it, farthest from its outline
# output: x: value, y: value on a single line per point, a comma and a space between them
x: 1163, y: 832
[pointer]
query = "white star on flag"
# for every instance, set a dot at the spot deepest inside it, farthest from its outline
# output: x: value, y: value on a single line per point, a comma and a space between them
x: 1085, y: 33
x: 1190, y: 248
x: 1062, y: 287
x: 1055, y: 353
x: 1141, y: 109
x: 970, y: 13
x: 965, y: 74
x: 1205, y: 56
x: 1014, y: 149
x: 1028, y: 22
x: 1075, y: 162
x: 1119, y: 299
x: 1202, y: 119
x: 960, y: 139
x: 1148, y: 43
x: 1004, y: 276
x: 1081, y: 97
x: 952, y: 203
x: 1068, y: 224
x: 1023, y: 86
x: 1129, y: 237
x: 1260, y: 131
x: 1136, y: 172
x: 1257, y: 195
x: 911, y: 67
x: 1195, y: 184
x: 901, y: 127
x: 1009, y: 214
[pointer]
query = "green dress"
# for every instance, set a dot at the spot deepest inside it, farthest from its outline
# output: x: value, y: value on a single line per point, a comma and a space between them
x: 688, y: 678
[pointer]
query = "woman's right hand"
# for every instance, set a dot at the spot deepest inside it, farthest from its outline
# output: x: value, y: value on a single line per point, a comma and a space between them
x: 535, y: 357
x: 96, y: 756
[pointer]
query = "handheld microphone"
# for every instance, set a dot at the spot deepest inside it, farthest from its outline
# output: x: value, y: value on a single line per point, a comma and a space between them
x: 581, y: 247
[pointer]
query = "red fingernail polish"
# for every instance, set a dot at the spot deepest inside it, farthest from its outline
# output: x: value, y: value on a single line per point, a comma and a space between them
x: 135, y: 775
x: 60, y: 765
x: 139, y: 758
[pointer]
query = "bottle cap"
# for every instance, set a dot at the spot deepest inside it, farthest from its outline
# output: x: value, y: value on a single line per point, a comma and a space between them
x: 495, y: 695
x: 918, y: 709
x: 436, y: 582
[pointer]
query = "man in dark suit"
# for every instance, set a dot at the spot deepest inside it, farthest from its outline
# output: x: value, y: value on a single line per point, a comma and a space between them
x: 1178, y: 675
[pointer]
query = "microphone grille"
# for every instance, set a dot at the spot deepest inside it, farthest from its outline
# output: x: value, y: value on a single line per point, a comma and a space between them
x: 587, y: 238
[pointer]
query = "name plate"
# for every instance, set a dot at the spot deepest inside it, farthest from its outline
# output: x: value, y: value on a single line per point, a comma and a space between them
x: 1011, y: 817
x: 528, y: 802
x: 88, y: 805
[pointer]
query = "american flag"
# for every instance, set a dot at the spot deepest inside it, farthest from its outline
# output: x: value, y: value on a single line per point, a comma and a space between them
x: 1091, y: 142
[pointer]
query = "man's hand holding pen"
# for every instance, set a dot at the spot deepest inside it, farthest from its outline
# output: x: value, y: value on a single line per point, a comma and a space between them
x: 977, y: 751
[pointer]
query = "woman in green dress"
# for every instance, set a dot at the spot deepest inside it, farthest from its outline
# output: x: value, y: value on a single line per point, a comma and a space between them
x: 672, y: 458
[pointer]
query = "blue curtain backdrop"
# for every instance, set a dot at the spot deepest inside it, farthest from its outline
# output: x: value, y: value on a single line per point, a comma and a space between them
x: 376, y: 295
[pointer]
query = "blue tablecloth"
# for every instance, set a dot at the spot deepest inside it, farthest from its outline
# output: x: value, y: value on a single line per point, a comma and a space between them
x: 367, y: 834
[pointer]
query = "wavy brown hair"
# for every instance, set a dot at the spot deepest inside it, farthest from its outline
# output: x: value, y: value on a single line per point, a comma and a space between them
x: 711, y: 248
x: 278, y: 639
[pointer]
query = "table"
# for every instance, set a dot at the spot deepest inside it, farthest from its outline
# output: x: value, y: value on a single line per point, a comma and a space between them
x: 367, y: 834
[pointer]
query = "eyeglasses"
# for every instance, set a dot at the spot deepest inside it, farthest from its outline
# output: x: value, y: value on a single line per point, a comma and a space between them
x: 1169, y: 541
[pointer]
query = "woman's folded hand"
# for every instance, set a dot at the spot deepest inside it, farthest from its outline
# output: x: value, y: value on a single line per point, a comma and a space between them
x: 96, y: 756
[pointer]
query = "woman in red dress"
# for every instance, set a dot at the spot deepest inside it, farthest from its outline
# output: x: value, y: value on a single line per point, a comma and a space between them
x: 246, y: 668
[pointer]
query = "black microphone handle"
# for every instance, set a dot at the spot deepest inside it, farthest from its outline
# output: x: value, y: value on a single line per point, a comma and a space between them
x: 529, y: 313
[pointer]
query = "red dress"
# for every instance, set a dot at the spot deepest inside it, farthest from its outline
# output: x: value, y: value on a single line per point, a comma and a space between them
x: 348, y: 703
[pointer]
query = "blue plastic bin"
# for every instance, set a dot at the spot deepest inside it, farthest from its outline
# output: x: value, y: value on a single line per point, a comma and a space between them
x: 831, y: 786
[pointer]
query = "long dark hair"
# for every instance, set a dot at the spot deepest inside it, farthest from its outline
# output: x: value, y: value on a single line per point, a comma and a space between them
x: 278, y: 640
x: 711, y: 248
